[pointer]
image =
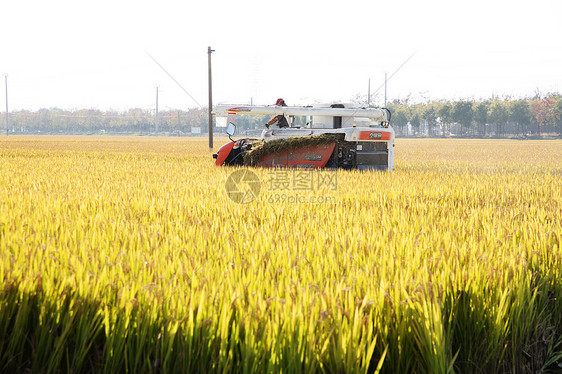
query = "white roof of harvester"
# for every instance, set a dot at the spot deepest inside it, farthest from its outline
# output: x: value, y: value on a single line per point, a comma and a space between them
x: 376, y: 114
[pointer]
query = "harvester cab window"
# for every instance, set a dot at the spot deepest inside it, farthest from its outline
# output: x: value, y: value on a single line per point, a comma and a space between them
x: 337, y: 120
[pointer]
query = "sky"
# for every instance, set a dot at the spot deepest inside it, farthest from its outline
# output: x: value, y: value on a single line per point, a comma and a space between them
x: 96, y: 54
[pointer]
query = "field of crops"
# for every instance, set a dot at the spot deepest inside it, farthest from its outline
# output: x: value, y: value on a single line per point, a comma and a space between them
x: 131, y: 255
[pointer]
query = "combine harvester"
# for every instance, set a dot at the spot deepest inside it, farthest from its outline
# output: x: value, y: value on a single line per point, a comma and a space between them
x: 335, y: 136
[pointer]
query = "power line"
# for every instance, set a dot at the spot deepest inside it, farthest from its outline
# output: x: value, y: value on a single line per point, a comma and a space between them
x: 174, y: 79
x: 391, y: 75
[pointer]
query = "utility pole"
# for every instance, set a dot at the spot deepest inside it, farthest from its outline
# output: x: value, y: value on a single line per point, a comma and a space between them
x: 7, y: 115
x: 156, y: 110
x: 209, y: 51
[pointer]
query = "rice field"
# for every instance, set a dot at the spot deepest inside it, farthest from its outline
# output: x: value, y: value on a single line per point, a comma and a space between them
x: 131, y: 254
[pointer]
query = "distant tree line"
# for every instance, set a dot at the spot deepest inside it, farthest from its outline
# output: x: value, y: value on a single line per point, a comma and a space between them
x: 496, y: 117
x: 94, y: 121
x: 133, y: 121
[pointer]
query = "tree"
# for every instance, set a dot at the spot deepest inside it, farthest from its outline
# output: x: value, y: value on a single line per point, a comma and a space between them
x: 520, y: 114
x: 498, y: 115
x: 445, y: 117
x: 45, y: 120
x: 544, y: 112
x: 481, y: 116
x: 558, y: 111
x: 430, y: 116
x: 462, y: 114
x: 415, y: 122
x: 399, y: 116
